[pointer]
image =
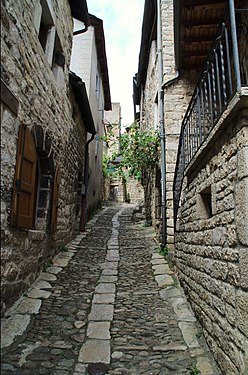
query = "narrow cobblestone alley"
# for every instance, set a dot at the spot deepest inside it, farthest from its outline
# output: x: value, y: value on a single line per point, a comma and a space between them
x: 108, y: 298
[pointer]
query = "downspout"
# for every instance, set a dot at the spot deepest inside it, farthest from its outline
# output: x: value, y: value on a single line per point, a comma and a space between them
x: 85, y: 184
x: 161, y: 125
x: 170, y: 81
x: 81, y: 31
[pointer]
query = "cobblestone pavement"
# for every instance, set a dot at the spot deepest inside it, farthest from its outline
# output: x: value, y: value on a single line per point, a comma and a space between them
x: 109, y: 298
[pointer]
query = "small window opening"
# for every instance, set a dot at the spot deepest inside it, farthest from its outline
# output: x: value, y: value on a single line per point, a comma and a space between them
x: 43, y: 32
x: 46, y: 29
x: 58, y: 56
x: 58, y: 62
x: 206, y: 209
x: 97, y: 87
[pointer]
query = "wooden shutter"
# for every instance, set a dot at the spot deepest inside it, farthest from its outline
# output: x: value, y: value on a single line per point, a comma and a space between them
x: 55, y: 200
x: 22, y: 214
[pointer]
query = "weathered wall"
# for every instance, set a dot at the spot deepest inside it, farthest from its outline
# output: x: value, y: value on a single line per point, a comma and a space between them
x: 176, y: 99
x: 212, y: 248
x: 134, y: 191
x: 47, y: 108
x: 85, y: 64
x: 117, y: 190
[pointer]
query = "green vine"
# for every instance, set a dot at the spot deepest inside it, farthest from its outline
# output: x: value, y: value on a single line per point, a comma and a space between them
x: 139, y: 153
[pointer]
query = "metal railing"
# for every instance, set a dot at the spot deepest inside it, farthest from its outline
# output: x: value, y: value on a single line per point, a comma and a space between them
x: 225, y: 71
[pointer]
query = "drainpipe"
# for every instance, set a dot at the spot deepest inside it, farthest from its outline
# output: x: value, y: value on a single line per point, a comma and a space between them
x: 85, y: 184
x: 161, y: 125
x: 170, y: 81
x: 81, y: 31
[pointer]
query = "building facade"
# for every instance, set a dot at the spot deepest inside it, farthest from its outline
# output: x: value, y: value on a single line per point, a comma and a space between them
x: 202, y: 103
x: 44, y: 127
x: 89, y: 62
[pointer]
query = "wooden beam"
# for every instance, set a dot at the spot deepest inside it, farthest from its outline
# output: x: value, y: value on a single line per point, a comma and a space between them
x: 9, y: 99
x: 205, y: 3
x: 201, y: 23
x: 203, y: 53
x: 204, y: 39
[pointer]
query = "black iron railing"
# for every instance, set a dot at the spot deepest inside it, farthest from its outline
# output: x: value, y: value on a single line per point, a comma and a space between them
x: 225, y: 71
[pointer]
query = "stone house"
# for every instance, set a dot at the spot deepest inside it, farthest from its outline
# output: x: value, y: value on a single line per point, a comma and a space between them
x: 120, y: 189
x: 203, y: 94
x: 89, y: 61
x: 45, y: 117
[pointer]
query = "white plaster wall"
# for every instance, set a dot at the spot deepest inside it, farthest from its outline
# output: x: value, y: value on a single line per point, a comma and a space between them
x: 84, y: 63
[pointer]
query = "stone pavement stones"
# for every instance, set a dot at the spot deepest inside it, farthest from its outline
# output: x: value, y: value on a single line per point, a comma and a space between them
x: 103, y: 298
x: 164, y: 280
x: 12, y: 327
x: 105, y: 288
x: 99, y: 330
x: 95, y: 351
x: 110, y: 298
x: 101, y: 312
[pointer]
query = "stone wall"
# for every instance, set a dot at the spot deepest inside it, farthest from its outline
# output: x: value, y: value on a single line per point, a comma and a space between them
x: 212, y: 241
x: 134, y: 192
x: 176, y: 98
x: 117, y: 190
x: 47, y: 106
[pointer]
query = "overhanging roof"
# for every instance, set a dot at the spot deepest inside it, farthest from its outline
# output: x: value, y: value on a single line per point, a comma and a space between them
x: 149, y: 32
x: 97, y: 23
x: 196, y: 25
x: 79, y: 10
x: 81, y: 97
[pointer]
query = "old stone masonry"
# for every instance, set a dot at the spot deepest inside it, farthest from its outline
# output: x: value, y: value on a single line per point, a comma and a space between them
x: 108, y: 303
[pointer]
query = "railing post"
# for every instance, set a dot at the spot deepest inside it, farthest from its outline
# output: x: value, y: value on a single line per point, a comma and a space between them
x: 235, y: 43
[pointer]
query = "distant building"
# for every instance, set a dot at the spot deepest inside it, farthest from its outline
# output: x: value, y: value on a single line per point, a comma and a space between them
x: 89, y: 61
x: 112, y: 121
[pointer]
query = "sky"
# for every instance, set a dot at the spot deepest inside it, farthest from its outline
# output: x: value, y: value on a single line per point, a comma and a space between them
x: 122, y: 23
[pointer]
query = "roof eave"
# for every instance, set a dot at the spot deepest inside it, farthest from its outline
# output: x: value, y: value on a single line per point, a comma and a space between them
x: 79, y: 10
x: 82, y: 100
x: 97, y: 23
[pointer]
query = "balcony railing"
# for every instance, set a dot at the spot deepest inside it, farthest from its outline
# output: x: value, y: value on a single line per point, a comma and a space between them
x: 225, y: 71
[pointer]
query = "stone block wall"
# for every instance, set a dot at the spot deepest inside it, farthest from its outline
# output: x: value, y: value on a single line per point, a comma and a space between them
x: 212, y: 241
x: 176, y: 99
x: 47, y: 106
x: 134, y: 191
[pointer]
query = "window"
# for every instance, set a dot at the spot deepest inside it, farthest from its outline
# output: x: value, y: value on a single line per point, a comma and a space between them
x: 205, y: 203
x: 155, y: 113
x: 45, y: 28
x: 97, y: 87
x: 58, y: 62
x: 34, y: 205
x: 55, y: 199
x: 24, y: 192
x: 96, y: 144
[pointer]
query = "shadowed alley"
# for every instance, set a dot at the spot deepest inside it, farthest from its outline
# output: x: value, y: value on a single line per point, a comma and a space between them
x: 108, y: 298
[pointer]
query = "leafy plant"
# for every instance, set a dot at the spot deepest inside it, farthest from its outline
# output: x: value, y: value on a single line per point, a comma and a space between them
x: 199, y: 334
x: 147, y: 224
x: 194, y: 371
x: 163, y: 250
x: 139, y: 151
x: 63, y: 248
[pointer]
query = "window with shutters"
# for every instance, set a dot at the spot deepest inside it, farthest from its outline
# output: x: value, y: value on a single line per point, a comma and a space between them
x: 36, y: 185
x: 25, y: 181
x: 55, y: 200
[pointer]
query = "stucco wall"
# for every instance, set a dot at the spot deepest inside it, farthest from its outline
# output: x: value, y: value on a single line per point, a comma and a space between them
x: 85, y: 64
x: 212, y: 248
